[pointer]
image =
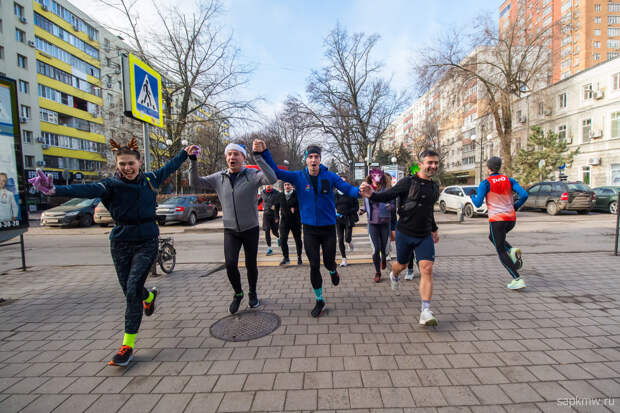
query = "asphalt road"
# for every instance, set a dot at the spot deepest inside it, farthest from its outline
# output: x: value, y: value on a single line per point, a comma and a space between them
x: 536, y: 233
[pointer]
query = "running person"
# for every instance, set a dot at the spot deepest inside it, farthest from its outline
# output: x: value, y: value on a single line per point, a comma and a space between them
x: 236, y: 188
x: 498, y: 190
x: 290, y: 221
x: 271, y: 207
x: 416, y: 229
x: 130, y: 196
x: 315, y: 191
x: 346, y: 217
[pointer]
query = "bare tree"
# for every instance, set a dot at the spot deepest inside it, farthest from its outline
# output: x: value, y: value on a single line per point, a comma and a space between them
x: 348, y: 101
x: 292, y: 128
x: 505, y: 65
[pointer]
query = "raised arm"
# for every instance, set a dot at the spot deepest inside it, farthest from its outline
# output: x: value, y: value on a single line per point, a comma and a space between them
x: 266, y: 175
x: 523, y: 195
x: 286, y: 176
x: 96, y: 190
x: 201, y: 182
x: 170, y: 166
x: 345, y: 187
x: 481, y: 193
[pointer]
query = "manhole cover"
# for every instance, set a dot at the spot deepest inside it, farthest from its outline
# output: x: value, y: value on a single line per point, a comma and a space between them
x: 245, y: 326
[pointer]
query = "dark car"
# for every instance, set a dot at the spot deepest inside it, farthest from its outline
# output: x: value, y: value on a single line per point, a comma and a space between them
x: 607, y: 198
x: 76, y: 211
x: 185, y: 208
x: 561, y: 196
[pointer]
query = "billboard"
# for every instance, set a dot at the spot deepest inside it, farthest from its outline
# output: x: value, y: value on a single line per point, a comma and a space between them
x: 13, y: 215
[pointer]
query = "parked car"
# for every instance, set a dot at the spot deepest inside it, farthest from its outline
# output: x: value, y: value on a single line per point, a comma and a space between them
x: 607, y: 198
x: 102, y: 216
x: 453, y: 196
x: 560, y: 196
x: 76, y: 211
x: 185, y: 208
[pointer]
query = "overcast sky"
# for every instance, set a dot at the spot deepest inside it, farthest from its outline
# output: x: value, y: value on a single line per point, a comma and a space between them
x: 283, y: 39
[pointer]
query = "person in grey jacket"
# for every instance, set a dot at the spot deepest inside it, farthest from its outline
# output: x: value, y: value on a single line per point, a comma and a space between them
x: 236, y: 188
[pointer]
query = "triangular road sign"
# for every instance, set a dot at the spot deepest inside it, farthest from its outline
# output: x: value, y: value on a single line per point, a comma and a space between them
x: 146, y: 97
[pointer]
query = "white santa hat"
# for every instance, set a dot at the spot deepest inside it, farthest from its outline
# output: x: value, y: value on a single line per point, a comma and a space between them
x: 236, y: 147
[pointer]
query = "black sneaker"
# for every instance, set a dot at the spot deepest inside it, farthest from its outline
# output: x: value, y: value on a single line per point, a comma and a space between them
x: 335, y: 277
x: 318, y: 308
x: 149, y: 308
x: 254, y: 301
x: 299, y: 262
x: 285, y: 261
x: 234, y: 305
x: 123, y: 357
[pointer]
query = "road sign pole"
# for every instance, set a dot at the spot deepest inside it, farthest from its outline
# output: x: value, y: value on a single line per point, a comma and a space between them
x: 147, y: 147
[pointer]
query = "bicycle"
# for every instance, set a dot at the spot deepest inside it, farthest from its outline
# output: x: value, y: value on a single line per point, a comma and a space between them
x: 166, y: 255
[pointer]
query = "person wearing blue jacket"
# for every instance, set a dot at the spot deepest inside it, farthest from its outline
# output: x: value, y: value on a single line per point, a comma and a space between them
x: 315, y: 191
x: 130, y: 196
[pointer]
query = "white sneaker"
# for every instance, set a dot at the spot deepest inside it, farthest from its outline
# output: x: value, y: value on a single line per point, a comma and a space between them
x: 395, y: 284
x: 351, y: 246
x: 344, y: 262
x: 388, y: 258
x: 410, y: 275
x: 427, y: 318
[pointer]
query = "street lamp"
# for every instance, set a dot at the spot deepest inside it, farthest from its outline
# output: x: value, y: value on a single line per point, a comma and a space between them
x: 474, y: 139
x: 394, y: 160
x: 168, y: 142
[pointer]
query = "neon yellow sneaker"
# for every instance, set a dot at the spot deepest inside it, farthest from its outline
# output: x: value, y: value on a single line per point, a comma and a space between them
x: 516, y: 284
x: 516, y: 257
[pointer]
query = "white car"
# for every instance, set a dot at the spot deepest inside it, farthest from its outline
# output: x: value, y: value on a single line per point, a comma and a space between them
x: 453, y: 196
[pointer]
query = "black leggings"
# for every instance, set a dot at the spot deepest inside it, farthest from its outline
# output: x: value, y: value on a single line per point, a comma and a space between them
x: 380, y: 236
x: 497, y: 236
x: 233, y: 241
x: 285, y: 228
x: 316, y: 238
x: 344, y: 233
x: 270, y: 224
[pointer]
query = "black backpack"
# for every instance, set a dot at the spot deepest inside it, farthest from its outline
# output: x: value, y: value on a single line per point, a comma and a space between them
x: 413, y: 197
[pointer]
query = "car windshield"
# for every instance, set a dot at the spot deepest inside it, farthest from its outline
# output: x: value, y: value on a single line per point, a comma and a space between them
x: 78, y: 202
x: 175, y: 200
x: 578, y: 187
x: 470, y: 190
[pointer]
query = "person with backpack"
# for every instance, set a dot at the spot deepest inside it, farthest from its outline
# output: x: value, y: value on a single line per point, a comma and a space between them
x: 498, y: 190
x: 416, y: 229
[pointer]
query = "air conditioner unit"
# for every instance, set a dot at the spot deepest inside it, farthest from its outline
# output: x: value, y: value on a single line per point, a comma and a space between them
x: 23, y: 20
x: 596, y: 133
x: 31, y: 43
x: 40, y: 163
x: 75, y: 28
x: 44, y: 7
x: 45, y: 146
x: 599, y: 94
x: 548, y: 111
x: 23, y: 119
x: 594, y: 161
x: 522, y: 119
x: 39, y: 140
x: 108, y: 85
x: 569, y: 140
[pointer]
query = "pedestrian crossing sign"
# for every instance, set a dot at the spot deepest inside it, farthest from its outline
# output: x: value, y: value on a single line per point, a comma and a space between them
x: 143, y: 91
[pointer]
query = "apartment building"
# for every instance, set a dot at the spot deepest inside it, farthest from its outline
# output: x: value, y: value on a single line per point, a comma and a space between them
x: 585, y: 32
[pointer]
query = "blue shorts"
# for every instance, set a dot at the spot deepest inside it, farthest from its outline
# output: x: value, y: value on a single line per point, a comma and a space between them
x: 424, y: 248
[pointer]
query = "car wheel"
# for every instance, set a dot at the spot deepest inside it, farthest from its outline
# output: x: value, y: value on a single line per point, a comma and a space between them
x: 442, y: 207
x: 192, y: 219
x: 86, y: 220
x: 552, y: 208
x: 583, y: 212
x: 469, y: 211
x: 613, y: 207
x: 214, y: 214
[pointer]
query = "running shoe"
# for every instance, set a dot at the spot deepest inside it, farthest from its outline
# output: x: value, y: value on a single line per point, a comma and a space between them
x: 234, y: 305
x: 254, y: 301
x: 299, y: 262
x: 335, y: 277
x: 269, y: 251
x: 427, y: 318
x: 389, y: 257
x: 410, y: 275
x: 377, y: 277
x: 516, y: 257
x: 395, y: 284
x: 344, y: 262
x: 149, y: 308
x: 516, y: 284
x: 285, y: 261
x: 351, y: 246
x: 383, y: 263
x: 123, y: 357
x: 318, y: 308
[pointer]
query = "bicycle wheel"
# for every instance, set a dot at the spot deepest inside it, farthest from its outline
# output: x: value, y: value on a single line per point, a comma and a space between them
x: 167, y: 258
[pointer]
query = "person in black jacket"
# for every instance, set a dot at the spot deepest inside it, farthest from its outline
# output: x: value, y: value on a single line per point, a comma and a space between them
x: 271, y: 216
x: 290, y: 221
x: 416, y: 229
x: 346, y: 217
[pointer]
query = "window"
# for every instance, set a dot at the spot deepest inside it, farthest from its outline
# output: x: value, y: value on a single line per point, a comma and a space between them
x: 613, y: 44
x: 68, y: 37
x: 562, y: 99
x: 615, y: 81
x: 22, y: 61
x: 19, y: 10
x: 547, y: 21
x: 29, y: 161
x: 613, y: 32
x: 615, y: 173
x: 20, y: 36
x: 612, y: 55
x: 48, y: 116
x: 587, y: 91
x: 597, y: 45
x: 24, y: 86
x: 597, y: 20
x: 0, y: 25
x: 613, y: 6
x: 1, y: 53
x: 596, y: 56
x: 613, y: 19
x: 597, y: 7
x: 106, y: 44
x: 27, y: 136
x: 586, y: 127
x: 541, y: 108
x: 585, y: 175
x: 533, y: 190
x: 597, y: 32
x: 615, y: 125
x: 61, y: 54
x: 25, y: 111
x: 562, y: 133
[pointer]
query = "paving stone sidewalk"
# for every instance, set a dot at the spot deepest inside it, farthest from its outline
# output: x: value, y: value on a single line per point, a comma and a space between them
x: 554, y: 344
